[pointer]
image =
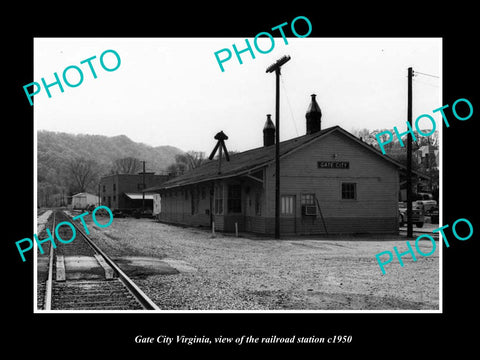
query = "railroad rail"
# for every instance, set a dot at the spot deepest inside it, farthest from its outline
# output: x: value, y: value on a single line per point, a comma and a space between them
x: 82, y: 277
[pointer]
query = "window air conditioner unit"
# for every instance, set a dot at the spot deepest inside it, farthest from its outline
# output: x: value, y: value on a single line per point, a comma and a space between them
x: 309, y: 210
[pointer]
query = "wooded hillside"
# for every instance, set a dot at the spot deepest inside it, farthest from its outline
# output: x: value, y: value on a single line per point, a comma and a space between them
x: 68, y: 164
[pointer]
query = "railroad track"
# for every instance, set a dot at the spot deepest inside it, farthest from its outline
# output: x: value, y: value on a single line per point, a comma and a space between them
x: 82, y: 277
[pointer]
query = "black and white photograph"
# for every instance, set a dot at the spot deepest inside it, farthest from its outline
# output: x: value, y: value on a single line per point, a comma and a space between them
x: 184, y: 160
x: 272, y: 186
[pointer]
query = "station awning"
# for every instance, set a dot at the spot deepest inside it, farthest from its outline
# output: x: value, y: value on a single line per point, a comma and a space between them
x: 139, y: 196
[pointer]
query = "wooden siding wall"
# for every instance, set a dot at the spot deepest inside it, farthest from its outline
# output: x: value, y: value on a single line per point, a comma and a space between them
x: 176, y: 208
x: 374, y: 210
x: 375, y: 207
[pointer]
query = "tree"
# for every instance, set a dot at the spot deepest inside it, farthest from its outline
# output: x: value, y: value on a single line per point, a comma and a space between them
x: 365, y: 135
x: 186, y: 161
x: 127, y: 165
x: 82, y: 174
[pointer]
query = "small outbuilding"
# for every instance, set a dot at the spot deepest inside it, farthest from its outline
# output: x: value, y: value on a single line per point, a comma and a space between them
x: 83, y: 200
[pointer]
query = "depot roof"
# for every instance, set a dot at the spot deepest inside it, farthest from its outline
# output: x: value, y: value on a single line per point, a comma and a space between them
x: 250, y: 161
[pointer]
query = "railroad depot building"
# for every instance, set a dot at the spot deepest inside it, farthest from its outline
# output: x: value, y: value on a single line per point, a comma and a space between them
x: 331, y: 182
x: 124, y: 191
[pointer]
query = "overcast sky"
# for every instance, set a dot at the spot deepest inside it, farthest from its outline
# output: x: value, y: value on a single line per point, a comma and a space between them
x: 171, y: 91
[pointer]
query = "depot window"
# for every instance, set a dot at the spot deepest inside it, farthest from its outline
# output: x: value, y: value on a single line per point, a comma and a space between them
x: 218, y: 200
x: 308, y: 199
x: 349, y: 191
x: 234, y: 203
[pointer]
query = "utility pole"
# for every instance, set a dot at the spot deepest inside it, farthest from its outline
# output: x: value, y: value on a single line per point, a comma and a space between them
x: 276, y: 67
x: 143, y: 190
x: 429, y: 161
x: 277, y: 154
x: 409, y: 157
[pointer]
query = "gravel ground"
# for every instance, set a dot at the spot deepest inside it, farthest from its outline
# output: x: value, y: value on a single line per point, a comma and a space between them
x: 229, y: 273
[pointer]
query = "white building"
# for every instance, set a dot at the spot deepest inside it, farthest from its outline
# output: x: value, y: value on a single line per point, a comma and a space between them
x: 83, y: 200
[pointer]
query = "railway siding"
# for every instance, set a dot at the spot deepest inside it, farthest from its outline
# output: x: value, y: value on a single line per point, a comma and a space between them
x: 82, y: 277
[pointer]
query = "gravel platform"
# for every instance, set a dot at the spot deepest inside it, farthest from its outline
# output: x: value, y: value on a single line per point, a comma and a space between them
x: 230, y: 273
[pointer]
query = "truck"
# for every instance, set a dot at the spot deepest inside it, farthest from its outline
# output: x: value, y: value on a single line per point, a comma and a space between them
x: 417, y: 214
x: 425, y: 202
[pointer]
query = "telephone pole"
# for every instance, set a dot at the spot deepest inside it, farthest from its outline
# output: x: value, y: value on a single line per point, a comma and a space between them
x: 276, y: 67
x: 143, y: 190
x: 409, y: 157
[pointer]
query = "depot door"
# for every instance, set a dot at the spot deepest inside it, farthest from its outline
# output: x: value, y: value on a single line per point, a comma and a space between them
x: 288, y: 206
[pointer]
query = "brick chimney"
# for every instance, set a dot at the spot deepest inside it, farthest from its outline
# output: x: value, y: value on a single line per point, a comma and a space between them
x: 314, y: 116
x: 269, y: 132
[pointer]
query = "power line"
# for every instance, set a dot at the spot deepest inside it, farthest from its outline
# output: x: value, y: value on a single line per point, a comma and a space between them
x: 289, y: 106
x: 418, y: 72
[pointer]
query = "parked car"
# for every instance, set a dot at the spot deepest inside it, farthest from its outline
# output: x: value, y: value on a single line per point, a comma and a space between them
x: 138, y: 213
x: 426, y: 202
x: 418, y: 217
x: 118, y: 213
